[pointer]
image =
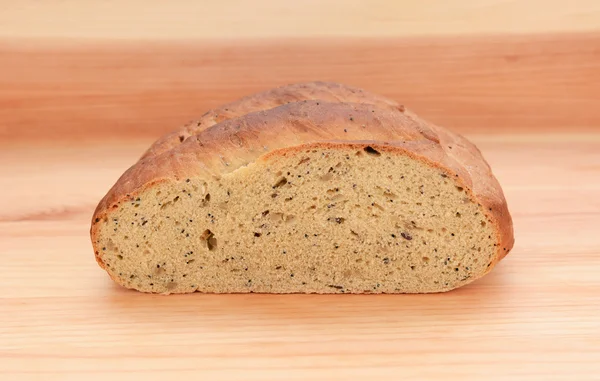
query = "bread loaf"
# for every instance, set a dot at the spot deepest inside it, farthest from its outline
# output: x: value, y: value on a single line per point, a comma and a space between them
x: 310, y: 196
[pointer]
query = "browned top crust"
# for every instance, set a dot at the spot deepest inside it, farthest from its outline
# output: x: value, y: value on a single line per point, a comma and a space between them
x: 235, y: 143
x: 324, y: 91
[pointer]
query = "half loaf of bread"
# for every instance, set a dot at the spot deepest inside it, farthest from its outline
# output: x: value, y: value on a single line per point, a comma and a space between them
x: 311, y: 188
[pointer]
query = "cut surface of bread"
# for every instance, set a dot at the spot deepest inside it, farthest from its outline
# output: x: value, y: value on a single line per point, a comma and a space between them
x: 307, y: 197
x: 323, y: 218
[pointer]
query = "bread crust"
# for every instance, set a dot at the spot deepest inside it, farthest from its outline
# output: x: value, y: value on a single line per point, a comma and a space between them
x: 234, y: 143
x: 324, y: 91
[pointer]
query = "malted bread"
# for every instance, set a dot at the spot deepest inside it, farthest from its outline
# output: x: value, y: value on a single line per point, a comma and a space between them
x: 309, y: 196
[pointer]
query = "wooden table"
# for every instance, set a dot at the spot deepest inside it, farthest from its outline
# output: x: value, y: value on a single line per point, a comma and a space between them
x: 75, y: 113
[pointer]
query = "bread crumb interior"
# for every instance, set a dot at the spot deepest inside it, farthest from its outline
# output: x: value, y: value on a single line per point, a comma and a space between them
x: 319, y: 220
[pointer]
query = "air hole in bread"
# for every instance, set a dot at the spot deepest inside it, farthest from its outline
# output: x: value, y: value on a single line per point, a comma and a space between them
x: 280, y: 183
x: 209, y: 238
x: 371, y: 151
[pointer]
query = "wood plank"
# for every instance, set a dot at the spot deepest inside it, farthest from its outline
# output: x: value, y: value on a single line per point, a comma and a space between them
x: 107, y: 90
x: 240, y: 19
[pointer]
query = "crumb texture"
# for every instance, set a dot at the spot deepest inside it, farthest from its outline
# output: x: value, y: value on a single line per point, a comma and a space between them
x: 345, y: 220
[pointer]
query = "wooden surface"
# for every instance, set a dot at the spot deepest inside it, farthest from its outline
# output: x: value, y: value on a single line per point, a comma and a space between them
x: 85, y: 87
x: 103, y: 89
x: 259, y: 19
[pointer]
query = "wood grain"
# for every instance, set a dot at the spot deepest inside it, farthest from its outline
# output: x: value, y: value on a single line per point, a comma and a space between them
x: 85, y: 87
x: 69, y: 90
x: 259, y: 19
x: 536, y: 317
